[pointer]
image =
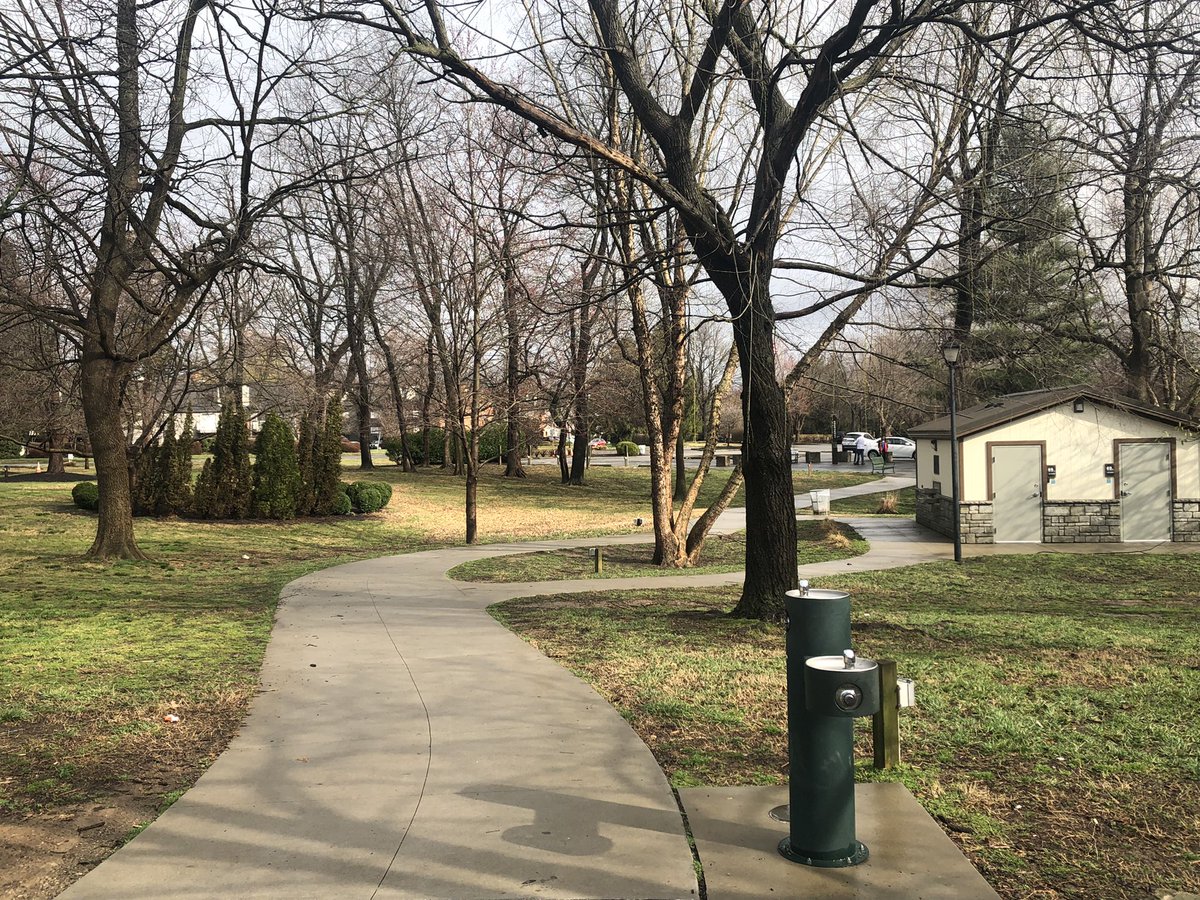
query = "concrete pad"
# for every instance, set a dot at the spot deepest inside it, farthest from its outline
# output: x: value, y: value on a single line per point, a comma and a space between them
x: 911, y: 857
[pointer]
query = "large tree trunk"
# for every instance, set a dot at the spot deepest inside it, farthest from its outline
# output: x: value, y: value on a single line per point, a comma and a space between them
x: 1138, y: 360
x: 680, y: 468
x: 363, y: 410
x: 427, y: 400
x: 766, y: 459
x: 579, y: 454
x: 560, y: 453
x: 393, y: 371
x: 469, y: 447
x: 581, y: 346
x: 512, y: 383
x: 101, y: 382
x: 56, y: 464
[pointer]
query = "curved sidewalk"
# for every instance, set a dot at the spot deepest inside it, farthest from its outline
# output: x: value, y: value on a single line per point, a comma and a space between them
x: 405, y: 745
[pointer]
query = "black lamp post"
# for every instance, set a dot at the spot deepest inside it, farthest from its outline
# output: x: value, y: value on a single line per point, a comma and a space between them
x: 950, y: 353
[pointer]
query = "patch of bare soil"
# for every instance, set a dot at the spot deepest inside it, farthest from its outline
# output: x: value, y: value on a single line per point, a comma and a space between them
x: 44, y: 849
x: 42, y: 853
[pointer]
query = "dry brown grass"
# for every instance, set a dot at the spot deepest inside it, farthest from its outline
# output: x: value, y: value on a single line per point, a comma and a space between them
x: 888, y: 504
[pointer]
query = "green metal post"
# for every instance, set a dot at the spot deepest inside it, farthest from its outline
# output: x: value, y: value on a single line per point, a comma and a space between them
x: 885, y: 724
x: 820, y: 747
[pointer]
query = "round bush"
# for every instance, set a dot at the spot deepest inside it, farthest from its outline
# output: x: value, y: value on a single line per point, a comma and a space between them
x: 627, y: 448
x: 386, y: 490
x: 369, y: 496
x: 342, y: 505
x: 86, y: 495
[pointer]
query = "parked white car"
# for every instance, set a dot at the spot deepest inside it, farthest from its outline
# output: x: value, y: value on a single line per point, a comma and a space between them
x: 902, y: 447
x: 850, y: 438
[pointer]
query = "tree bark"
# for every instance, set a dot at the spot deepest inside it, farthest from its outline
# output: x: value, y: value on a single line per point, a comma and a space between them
x: 680, y: 468
x: 1138, y: 358
x: 512, y: 382
x: 766, y: 460
x: 102, y: 379
x: 389, y: 359
x: 580, y: 349
x: 561, y: 454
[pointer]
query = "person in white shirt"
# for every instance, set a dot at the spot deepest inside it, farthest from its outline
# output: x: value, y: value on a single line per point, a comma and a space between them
x: 860, y: 448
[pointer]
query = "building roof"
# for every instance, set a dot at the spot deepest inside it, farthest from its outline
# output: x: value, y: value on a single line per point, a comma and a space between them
x: 1010, y: 407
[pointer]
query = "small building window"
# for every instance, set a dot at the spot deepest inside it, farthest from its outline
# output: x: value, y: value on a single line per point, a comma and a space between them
x: 937, y: 467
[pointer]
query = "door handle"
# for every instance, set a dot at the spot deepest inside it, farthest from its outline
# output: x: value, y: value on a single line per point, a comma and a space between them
x: 1124, y: 493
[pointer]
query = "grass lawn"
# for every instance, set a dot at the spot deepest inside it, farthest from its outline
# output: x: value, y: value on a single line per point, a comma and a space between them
x: 816, y: 542
x: 869, y: 504
x: 94, y: 655
x: 1055, y: 737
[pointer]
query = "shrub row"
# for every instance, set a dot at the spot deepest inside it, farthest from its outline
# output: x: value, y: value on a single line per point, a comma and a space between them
x: 287, y: 479
x: 428, y: 446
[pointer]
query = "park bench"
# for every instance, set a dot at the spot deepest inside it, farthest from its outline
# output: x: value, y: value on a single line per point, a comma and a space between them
x: 879, y: 466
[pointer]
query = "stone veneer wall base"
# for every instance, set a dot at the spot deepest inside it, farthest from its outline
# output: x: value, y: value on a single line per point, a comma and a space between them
x: 936, y: 511
x: 1185, y: 521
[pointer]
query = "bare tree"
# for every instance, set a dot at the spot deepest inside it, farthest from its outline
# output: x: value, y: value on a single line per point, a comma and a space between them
x: 1134, y: 122
x: 790, y: 67
x: 132, y: 190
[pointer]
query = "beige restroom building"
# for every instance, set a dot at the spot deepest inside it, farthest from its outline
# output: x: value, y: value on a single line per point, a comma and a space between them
x: 1062, y: 466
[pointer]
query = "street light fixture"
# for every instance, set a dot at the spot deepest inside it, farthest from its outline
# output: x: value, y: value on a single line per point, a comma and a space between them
x: 950, y: 352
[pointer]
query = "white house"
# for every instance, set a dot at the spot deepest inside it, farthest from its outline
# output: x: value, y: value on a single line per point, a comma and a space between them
x: 1062, y: 466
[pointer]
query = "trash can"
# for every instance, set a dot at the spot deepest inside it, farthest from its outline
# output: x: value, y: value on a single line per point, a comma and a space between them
x: 812, y: 456
x: 820, y: 502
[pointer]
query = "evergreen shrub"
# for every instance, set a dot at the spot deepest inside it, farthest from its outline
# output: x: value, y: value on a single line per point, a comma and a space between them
x: 86, y: 495
x: 162, y: 484
x: 416, y: 446
x: 327, y: 462
x: 223, y: 489
x: 393, y: 448
x: 627, y: 448
x: 276, y: 471
x: 369, y: 496
x: 493, y: 442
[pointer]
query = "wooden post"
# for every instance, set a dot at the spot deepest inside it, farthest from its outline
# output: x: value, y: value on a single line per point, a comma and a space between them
x: 599, y: 551
x: 885, y: 724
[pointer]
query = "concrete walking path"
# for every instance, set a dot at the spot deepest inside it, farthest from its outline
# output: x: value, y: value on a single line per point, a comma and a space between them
x: 405, y: 745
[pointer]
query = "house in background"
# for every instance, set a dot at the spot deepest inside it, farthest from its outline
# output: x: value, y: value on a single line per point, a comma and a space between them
x: 1062, y: 466
x: 205, y: 405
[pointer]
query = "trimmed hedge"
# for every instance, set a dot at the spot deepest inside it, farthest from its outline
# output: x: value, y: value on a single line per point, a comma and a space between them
x: 627, y: 448
x: 342, y: 505
x: 86, y: 495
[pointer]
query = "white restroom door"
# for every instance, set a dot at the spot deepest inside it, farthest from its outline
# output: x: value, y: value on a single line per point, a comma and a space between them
x: 1145, y: 491
x: 1017, y: 493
